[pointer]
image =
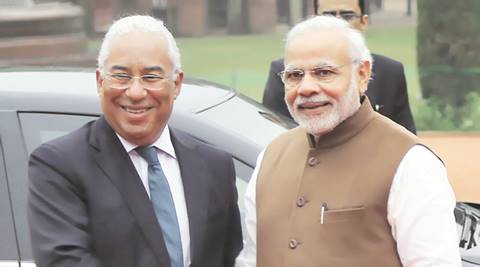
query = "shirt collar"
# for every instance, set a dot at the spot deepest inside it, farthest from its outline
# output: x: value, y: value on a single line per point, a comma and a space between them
x: 164, y: 143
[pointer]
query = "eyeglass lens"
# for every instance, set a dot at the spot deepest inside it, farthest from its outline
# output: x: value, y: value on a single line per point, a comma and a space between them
x: 346, y: 15
x: 149, y: 82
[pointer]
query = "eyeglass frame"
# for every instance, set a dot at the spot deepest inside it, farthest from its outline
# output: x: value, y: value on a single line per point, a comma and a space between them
x: 347, y: 15
x: 141, y: 79
x: 281, y: 74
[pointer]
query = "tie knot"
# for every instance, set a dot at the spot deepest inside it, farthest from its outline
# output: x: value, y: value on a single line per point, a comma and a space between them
x: 149, y: 153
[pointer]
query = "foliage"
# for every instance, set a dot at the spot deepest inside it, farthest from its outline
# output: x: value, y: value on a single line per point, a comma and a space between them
x: 432, y: 114
x: 447, y: 47
x: 243, y: 61
x: 240, y: 61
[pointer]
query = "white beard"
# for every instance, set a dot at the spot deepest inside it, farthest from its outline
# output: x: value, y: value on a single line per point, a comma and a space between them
x: 340, y: 110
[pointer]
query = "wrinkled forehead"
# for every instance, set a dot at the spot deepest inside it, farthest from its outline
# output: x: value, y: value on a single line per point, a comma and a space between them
x: 317, y: 46
x: 338, y: 5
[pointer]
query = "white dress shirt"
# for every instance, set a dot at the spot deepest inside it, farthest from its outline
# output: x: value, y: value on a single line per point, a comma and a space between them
x: 168, y: 161
x: 420, y: 213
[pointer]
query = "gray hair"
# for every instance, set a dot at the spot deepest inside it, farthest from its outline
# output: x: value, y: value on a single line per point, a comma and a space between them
x: 358, y: 48
x: 138, y: 23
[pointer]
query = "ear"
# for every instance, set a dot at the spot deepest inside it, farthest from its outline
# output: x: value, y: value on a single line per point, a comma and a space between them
x: 178, y: 83
x: 364, y: 72
x: 100, y: 80
x: 363, y: 22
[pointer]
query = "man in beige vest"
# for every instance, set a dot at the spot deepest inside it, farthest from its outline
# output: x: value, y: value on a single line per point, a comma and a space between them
x: 348, y: 187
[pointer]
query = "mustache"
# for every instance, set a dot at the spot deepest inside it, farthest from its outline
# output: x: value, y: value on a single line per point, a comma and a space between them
x: 300, y: 100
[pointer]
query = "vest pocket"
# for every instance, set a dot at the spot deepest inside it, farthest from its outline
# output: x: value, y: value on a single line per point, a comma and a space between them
x: 344, y: 214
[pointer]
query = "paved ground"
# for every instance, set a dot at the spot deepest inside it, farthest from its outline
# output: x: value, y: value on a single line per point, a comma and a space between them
x: 459, y: 152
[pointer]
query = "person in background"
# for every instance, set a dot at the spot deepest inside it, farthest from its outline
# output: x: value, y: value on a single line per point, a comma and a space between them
x: 126, y: 189
x: 387, y: 90
x: 348, y: 187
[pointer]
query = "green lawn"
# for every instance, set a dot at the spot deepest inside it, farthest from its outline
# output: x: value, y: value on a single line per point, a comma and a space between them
x: 238, y: 61
x: 243, y: 61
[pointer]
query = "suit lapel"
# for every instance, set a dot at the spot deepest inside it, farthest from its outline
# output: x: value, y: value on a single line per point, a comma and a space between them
x: 115, y: 162
x: 194, y: 172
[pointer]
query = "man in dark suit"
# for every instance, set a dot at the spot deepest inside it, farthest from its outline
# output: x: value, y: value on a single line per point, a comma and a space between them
x: 93, y: 195
x: 387, y: 91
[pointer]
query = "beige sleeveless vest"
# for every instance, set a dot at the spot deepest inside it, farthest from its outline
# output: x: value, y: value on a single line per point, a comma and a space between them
x: 324, y: 204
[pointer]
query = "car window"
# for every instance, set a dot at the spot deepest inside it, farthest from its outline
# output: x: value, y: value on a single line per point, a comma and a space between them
x: 8, y: 251
x: 39, y: 128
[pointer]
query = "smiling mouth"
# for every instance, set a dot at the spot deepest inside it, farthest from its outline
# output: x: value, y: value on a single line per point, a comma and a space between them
x: 313, y: 105
x: 135, y: 110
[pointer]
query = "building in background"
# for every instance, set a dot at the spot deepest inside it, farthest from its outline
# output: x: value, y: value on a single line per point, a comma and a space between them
x: 203, y: 17
x: 39, y: 33
x: 56, y: 32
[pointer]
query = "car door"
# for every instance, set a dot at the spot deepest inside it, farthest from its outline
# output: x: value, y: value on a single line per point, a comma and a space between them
x: 467, y: 217
x: 16, y: 172
x: 20, y: 134
x: 37, y: 128
x: 9, y: 255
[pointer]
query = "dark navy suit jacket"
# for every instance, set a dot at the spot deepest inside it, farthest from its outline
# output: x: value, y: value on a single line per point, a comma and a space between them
x: 88, y: 207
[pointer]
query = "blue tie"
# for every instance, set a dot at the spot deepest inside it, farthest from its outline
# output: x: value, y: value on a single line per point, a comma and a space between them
x: 163, y: 204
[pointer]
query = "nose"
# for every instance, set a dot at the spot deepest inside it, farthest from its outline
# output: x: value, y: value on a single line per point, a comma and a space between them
x: 136, y: 90
x: 308, y: 86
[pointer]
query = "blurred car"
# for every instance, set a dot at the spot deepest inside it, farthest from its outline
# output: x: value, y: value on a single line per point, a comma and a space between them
x: 36, y: 106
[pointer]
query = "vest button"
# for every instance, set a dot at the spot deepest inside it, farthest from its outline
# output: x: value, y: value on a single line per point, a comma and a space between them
x: 300, y: 202
x: 312, y: 161
x: 292, y: 244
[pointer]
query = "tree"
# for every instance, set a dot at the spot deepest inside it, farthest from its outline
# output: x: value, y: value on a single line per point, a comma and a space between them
x: 448, y: 45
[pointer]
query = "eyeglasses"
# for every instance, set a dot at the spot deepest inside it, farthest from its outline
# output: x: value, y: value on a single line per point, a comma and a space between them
x: 324, y: 74
x: 148, y: 81
x: 346, y: 15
